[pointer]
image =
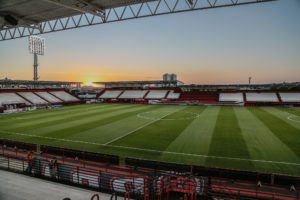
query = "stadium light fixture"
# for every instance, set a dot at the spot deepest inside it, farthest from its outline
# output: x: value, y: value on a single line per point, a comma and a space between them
x: 36, y: 47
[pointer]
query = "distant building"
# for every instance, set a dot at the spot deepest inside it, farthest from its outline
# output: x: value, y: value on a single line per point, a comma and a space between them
x: 169, y: 77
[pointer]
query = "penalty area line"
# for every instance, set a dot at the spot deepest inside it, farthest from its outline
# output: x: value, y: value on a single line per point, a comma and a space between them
x: 150, y: 150
x: 130, y: 132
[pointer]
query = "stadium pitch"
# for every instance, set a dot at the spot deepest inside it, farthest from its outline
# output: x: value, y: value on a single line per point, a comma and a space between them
x: 263, y: 139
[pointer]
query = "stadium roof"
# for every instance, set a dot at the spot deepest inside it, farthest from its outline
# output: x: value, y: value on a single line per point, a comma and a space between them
x: 26, y: 12
x: 21, y: 18
x: 273, y: 86
x: 136, y: 82
x: 29, y: 82
x: 139, y: 83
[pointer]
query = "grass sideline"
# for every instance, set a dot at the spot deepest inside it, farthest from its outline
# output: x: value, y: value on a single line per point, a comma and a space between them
x: 262, y: 139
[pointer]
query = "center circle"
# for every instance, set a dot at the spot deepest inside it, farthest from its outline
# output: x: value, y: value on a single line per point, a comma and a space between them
x: 164, y: 115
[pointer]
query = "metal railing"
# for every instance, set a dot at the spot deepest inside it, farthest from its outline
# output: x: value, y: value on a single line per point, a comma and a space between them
x: 131, y: 182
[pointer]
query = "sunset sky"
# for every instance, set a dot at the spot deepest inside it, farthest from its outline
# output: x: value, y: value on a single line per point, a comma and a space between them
x: 225, y: 45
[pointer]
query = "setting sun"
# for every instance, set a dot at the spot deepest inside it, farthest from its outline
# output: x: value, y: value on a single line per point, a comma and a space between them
x: 89, y: 83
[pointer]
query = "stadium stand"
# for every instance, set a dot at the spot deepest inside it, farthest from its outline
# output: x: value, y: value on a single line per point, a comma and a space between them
x: 173, y: 95
x: 11, y: 98
x: 157, y: 94
x: 289, y: 97
x: 33, y: 98
x: 206, y: 97
x: 133, y: 94
x: 48, y: 97
x: 231, y: 97
x: 110, y: 94
x: 262, y: 97
x: 64, y: 96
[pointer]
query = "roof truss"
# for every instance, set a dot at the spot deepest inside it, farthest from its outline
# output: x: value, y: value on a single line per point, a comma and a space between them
x: 93, y: 15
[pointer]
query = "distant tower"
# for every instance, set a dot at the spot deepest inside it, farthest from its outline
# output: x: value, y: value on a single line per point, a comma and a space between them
x: 249, y: 80
x: 173, y: 77
x: 169, y: 77
x: 36, y: 47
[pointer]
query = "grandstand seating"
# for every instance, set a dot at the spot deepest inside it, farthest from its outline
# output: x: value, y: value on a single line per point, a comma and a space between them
x: 157, y: 94
x: 33, y: 98
x: 231, y: 97
x: 133, y: 94
x: 110, y: 94
x: 49, y: 97
x: 206, y: 97
x: 262, y: 97
x: 173, y: 95
x: 289, y: 97
x: 64, y: 96
x: 11, y: 98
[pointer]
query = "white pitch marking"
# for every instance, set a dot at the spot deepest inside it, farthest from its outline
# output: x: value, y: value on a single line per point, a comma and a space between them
x: 147, y: 124
x: 193, y: 115
x: 205, y: 156
x: 291, y: 118
x: 151, y: 150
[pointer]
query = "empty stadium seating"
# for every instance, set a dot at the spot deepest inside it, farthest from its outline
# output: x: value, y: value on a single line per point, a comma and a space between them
x: 33, y: 98
x: 48, y: 97
x: 64, y: 96
x: 262, y: 97
x: 110, y: 94
x: 133, y: 94
x: 231, y: 97
x: 157, y: 94
x: 289, y: 97
x: 11, y: 98
x: 173, y: 95
x: 205, y: 97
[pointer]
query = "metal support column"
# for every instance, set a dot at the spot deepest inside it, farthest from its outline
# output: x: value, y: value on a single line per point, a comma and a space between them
x: 35, y: 67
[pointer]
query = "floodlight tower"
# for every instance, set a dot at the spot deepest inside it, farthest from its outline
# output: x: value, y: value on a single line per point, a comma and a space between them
x: 36, y: 47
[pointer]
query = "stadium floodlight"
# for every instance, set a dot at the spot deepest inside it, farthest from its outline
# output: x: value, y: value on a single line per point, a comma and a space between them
x: 36, y: 47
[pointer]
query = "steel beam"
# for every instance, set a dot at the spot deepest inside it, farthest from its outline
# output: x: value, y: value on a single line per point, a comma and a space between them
x: 81, y: 6
x: 140, y: 10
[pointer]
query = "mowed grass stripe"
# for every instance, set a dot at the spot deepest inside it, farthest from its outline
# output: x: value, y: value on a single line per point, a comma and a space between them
x: 75, y: 128
x: 264, y: 145
x: 67, y: 124
x: 292, y: 111
x: 110, y: 131
x: 228, y: 141
x: 285, y: 114
x: 36, y: 114
x: 55, y: 120
x: 195, y: 138
x: 45, y: 116
x: 284, y: 131
x: 158, y: 135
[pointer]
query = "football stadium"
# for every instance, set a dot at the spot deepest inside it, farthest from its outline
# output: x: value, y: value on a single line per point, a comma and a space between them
x: 154, y: 138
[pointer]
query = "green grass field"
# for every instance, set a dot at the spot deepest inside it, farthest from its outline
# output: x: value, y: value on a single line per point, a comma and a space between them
x: 265, y: 139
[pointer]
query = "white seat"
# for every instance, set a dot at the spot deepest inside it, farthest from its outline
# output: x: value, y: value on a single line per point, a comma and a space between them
x: 231, y: 97
x: 49, y: 97
x: 290, y: 97
x: 157, y: 94
x: 110, y: 94
x: 33, y: 98
x: 64, y: 96
x: 173, y: 95
x: 133, y: 94
x: 12, y: 98
x: 262, y: 97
